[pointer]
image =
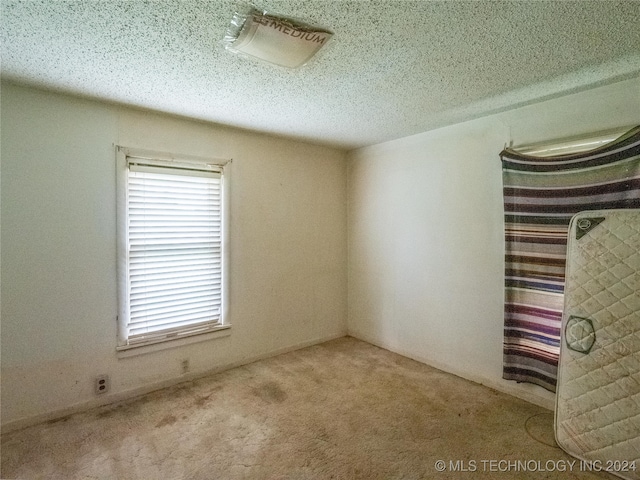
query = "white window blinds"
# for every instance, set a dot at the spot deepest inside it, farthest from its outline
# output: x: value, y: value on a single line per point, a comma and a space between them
x: 174, y: 251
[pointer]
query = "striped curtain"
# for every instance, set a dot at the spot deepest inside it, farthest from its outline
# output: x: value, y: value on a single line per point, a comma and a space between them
x: 541, y: 194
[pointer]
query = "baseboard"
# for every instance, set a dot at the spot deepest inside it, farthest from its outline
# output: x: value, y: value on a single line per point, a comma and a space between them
x: 516, y: 390
x: 138, y: 391
x: 523, y: 392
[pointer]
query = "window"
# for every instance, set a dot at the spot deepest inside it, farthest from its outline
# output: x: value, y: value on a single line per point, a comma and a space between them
x: 571, y: 145
x: 171, y: 248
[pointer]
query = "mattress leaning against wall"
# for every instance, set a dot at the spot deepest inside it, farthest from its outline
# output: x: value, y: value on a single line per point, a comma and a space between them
x: 597, y: 415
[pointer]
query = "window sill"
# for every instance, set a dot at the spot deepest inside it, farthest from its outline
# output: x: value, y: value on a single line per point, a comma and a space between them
x: 136, y: 350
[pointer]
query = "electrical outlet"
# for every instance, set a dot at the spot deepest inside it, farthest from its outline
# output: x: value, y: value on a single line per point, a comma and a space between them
x: 185, y: 366
x: 102, y: 384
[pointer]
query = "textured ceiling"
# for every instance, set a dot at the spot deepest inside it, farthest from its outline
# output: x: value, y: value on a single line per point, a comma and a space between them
x: 393, y: 68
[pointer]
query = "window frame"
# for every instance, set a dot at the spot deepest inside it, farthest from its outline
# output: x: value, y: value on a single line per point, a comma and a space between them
x: 166, y: 160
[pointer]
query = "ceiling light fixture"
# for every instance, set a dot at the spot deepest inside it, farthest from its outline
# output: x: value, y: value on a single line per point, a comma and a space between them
x: 278, y: 40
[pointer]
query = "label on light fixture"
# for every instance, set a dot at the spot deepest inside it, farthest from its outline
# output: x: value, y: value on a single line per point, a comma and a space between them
x: 278, y: 40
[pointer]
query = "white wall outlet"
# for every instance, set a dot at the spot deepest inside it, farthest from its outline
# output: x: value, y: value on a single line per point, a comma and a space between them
x: 102, y: 384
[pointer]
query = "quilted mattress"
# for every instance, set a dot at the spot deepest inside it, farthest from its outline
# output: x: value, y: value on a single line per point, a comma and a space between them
x: 597, y: 416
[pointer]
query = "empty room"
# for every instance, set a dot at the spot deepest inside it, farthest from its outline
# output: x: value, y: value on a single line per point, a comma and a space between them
x: 321, y: 239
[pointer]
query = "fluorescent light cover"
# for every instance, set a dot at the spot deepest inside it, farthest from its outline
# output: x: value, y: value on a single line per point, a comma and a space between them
x: 278, y: 40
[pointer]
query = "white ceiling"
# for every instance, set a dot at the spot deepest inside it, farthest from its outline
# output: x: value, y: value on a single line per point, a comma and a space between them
x: 393, y: 68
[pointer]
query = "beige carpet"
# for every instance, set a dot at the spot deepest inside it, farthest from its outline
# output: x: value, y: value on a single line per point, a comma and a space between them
x: 341, y: 410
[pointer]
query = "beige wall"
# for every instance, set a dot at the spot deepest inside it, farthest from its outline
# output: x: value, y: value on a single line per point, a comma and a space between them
x: 424, y: 225
x: 59, y: 298
x: 426, y: 243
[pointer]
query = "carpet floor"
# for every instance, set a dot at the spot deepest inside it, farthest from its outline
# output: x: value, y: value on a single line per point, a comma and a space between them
x: 340, y: 410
